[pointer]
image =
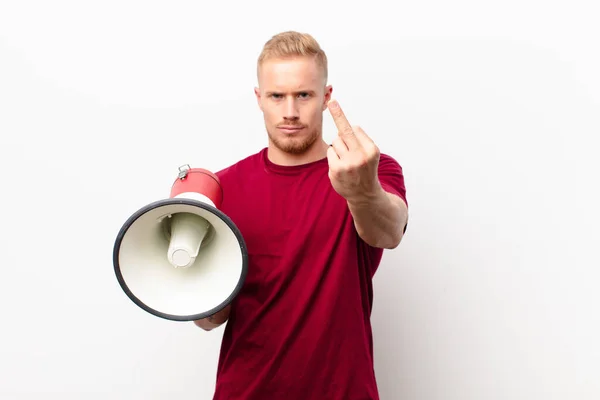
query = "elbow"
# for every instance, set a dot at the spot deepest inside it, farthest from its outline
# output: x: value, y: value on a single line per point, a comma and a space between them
x: 395, y: 239
x: 392, y: 241
x: 395, y: 242
x: 388, y: 242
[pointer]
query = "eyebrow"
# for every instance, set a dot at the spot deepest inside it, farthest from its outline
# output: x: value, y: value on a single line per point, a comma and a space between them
x: 270, y: 92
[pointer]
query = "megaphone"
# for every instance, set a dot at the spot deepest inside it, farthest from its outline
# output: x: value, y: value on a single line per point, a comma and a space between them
x: 181, y: 258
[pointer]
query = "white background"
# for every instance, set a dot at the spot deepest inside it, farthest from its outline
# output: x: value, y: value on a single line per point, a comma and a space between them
x: 492, y: 108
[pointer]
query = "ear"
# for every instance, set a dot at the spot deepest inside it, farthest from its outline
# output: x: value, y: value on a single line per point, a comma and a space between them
x: 327, y: 97
x: 258, y: 97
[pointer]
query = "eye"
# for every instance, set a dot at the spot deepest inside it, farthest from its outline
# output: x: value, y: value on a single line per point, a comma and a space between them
x: 304, y: 95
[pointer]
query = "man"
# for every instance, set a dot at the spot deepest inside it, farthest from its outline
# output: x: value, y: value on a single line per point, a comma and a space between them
x: 315, y: 218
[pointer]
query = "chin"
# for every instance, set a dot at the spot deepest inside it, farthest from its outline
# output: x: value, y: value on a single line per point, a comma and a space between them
x: 294, y: 145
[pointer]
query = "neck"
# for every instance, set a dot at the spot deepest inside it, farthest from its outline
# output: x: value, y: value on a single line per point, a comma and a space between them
x: 316, y: 152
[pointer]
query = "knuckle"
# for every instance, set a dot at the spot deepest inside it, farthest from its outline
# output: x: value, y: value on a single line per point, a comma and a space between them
x: 362, y: 161
x: 347, y: 131
x: 375, y: 151
x: 344, y: 167
x: 372, y: 150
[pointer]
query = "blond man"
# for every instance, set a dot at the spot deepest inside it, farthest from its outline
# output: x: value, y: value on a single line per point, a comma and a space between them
x: 316, y: 218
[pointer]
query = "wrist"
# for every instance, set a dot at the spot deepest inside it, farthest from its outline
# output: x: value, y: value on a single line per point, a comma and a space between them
x: 367, y: 198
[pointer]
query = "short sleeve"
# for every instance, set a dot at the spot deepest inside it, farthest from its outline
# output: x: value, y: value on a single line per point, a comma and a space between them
x: 391, y: 177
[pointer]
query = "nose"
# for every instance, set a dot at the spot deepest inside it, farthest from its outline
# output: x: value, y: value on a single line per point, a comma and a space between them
x: 291, y: 109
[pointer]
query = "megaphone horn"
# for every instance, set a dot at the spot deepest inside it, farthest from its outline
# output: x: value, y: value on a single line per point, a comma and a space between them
x: 181, y: 258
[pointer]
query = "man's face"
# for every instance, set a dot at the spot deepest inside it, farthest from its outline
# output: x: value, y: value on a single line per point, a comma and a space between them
x: 292, y: 96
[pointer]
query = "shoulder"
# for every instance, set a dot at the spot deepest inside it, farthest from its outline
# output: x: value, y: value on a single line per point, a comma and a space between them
x: 242, y: 167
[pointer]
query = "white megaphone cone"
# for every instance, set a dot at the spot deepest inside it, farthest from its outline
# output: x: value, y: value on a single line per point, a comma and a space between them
x: 181, y: 258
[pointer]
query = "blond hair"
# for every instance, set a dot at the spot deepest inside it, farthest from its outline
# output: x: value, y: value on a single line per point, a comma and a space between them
x: 292, y: 44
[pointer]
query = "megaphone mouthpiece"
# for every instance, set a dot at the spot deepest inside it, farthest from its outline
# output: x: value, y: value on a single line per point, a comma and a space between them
x: 187, y: 232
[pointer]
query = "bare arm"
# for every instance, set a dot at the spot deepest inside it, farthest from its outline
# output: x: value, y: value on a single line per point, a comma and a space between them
x: 215, y: 320
x: 380, y: 219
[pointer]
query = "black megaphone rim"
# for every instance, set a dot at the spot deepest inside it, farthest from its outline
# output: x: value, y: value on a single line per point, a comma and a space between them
x: 185, y: 201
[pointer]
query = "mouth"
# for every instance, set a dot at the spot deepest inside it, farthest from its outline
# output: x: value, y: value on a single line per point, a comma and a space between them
x: 289, y: 129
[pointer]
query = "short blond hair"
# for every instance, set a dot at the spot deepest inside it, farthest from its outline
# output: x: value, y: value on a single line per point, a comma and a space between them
x: 293, y: 44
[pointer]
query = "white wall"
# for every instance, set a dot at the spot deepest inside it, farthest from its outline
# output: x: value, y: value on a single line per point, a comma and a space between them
x: 491, y: 108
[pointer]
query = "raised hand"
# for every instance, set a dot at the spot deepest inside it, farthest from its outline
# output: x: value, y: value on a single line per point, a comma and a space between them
x: 353, y: 160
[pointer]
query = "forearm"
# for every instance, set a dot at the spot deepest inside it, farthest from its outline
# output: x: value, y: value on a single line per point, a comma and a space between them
x: 215, y: 320
x: 380, y: 218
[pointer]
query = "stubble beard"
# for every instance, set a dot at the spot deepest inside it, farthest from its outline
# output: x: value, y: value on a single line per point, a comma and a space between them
x: 293, y: 145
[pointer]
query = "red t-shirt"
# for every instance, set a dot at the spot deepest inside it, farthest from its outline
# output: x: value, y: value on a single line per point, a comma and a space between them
x: 300, y: 327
